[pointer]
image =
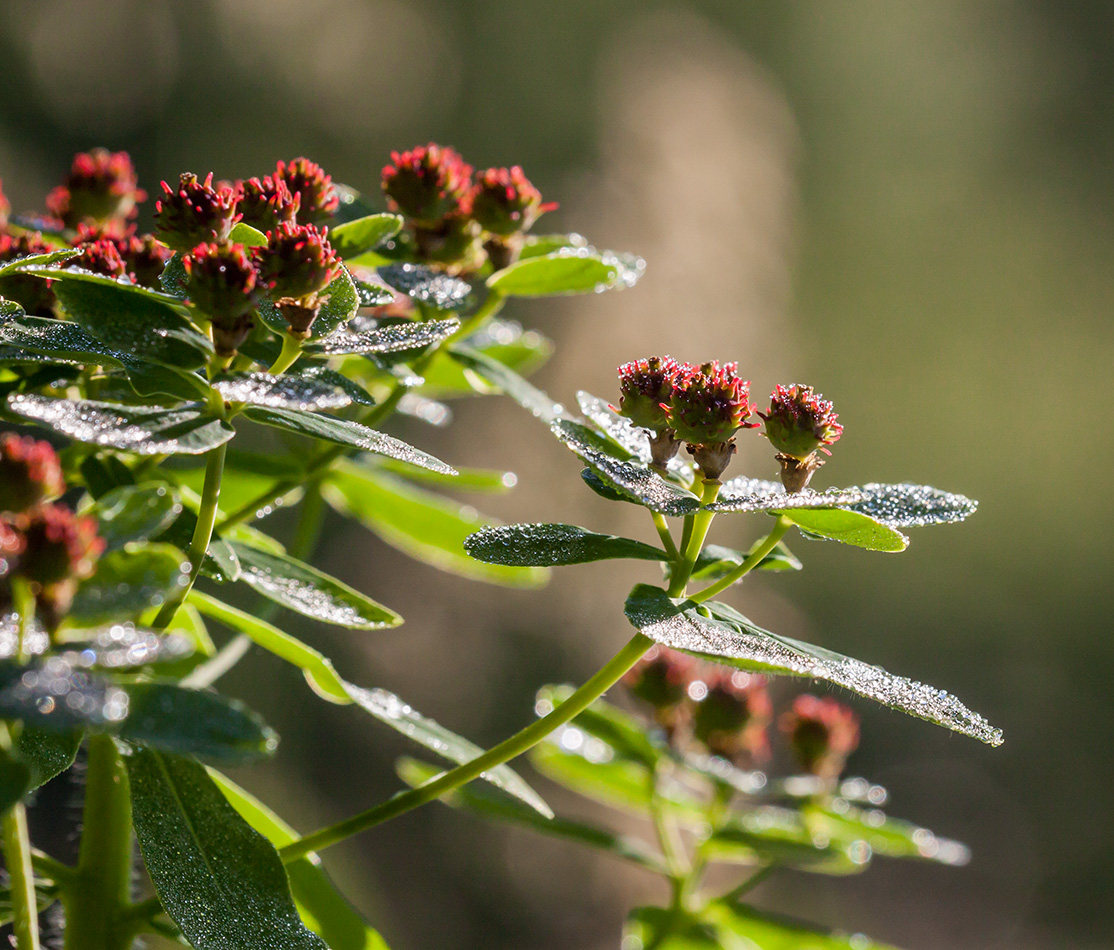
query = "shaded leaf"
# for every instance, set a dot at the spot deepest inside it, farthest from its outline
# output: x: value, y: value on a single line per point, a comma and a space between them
x: 718, y: 632
x: 547, y: 545
x: 715, y: 561
x: 363, y: 234
x: 848, y: 527
x: 123, y: 646
x: 56, y: 695
x: 48, y: 754
x: 15, y: 780
x: 135, y: 513
x: 128, y: 581
x: 392, y: 338
x: 145, y: 430
x: 220, y: 881
x: 484, y: 480
x: 737, y: 922
x: 427, y: 286
x: 624, y: 735
x: 502, y: 341
x: 841, y: 823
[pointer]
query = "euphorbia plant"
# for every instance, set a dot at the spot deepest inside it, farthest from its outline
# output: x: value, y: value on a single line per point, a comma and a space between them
x: 286, y: 304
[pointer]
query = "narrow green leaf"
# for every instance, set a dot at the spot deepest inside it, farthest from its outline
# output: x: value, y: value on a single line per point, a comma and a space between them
x: 715, y: 561
x: 308, y: 591
x: 526, y: 395
x: 849, y: 527
x: 773, y: 835
x: 220, y: 881
x: 741, y: 926
x: 343, y: 432
x: 135, y: 513
x: 425, y: 526
x: 317, y: 669
x: 665, y: 928
x: 341, y: 303
x: 564, y: 271
x: 548, y: 545
x: 363, y: 234
x: 45, y: 895
x: 625, y: 736
x: 59, y: 695
x: 501, y: 341
x: 484, y: 480
x: 128, y: 581
x: 169, y: 717
x: 247, y: 235
x: 890, y: 837
x: 718, y: 632
x: 537, y: 245
x: 145, y: 430
x: 48, y: 754
x: 29, y: 261
x: 495, y: 805
x: 322, y: 907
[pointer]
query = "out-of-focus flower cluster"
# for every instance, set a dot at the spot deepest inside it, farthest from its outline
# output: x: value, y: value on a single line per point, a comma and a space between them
x: 704, y: 406
x: 43, y: 544
x: 729, y: 713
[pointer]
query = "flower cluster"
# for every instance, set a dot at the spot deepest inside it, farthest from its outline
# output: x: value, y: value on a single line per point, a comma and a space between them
x: 704, y: 406
x: 729, y: 713
x: 454, y: 220
x: 100, y: 191
x: 42, y: 544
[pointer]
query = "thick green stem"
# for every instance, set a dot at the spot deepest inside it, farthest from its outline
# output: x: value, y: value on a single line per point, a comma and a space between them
x: 701, y: 522
x: 15, y: 842
x: 97, y: 899
x: 520, y: 742
x: 202, y: 532
x: 752, y: 561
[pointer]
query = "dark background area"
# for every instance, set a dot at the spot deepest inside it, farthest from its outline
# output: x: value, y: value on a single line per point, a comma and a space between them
x: 908, y: 205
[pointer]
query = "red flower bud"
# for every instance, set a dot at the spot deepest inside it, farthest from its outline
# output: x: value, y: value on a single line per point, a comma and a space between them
x: 660, y: 678
x: 30, y: 292
x: 427, y: 183
x: 194, y: 213
x: 504, y: 201
x: 59, y: 546
x: 297, y: 261
x: 5, y: 207
x: 100, y: 187
x: 732, y: 718
x: 101, y: 256
x: 30, y: 473
x: 222, y: 283
x: 314, y: 190
x: 645, y: 387
x: 822, y: 732
x: 709, y: 403
x: 798, y: 423
x: 266, y: 202
x: 144, y: 257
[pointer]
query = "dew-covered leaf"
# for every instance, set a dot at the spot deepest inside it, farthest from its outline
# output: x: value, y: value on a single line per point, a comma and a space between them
x: 773, y: 835
x: 493, y: 804
x: 548, y: 545
x: 526, y: 395
x: 52, y: 693
x: 152, y: 379
x: 173, y: 277
x: 318, y: 669
x: 38, y: 260
x: 128, y: 581
x: 633, y: 477
x: 538, y: 245
x: 172, y: 718
x: 343, y: 432
x: 308, y: 591
x: 291, y: 391
x: 341, y: 301
x: 247, y: 235
x: 220, y: 881
x: 363, y: 234
x: 781, y: 500
x: 716, y: 631
x: 426, y: 526
x: 145, y: 430
x: 47, y: 753
x: 908, y: 505
x: 220, y: 562
x: 123, y: 646
x: 848, y: 527
x: 322, y: 907
x: 392, y: 338
x: 389, y: 709
x: 427, y: 286
x: 487, y: 481
x: 135, y: 513
x: 59, y: 338
x: 567, y: 270
x: 373, y: 295
x: 845, y: 825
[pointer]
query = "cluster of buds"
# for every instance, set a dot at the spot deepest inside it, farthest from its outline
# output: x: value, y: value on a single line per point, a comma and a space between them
x: 33, y: 294
x: 454, y: 220
x: 799, y: 423
x: 728, y: 713
x: 101, y: 191
x: 704, y: 406
x: 42, y: 544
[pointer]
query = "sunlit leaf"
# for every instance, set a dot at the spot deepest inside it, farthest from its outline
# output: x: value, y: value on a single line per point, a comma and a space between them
x: 363, y: 234
x: 289, y: 391
x: 568, y: 270
x: 907, y: 505
x: 245, y: 234
x: 135, y: 513
x: 624, y: 735
x: 391, y: 338
x: 501, y: 341
x: 29, y: 261
x: 737, y: 922
x: 772, y: 835
x: 548, y: 545
x: 848, y: 527
x: 509, y: 382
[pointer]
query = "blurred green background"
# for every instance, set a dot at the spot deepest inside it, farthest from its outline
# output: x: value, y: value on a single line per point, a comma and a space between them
x: 908, y: 205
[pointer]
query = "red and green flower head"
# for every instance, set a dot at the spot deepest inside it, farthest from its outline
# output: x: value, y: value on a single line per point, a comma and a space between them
x: 504, y: 201
x: 295, y: 266
x: 732, y: 718
x: 645, y: 388
x: 144, y: 258
x: 798, y: 423
x: 30, y: 473
x: 5, y: 207
x: 822, y: 732
x: 101, y: 187
x: 708, y: 405
x: 101, y: 256
x: 30, y: 292
x: 222, y: 283
x: 59, y: 546
x: 314, y: 190
x: 194, y: 213
x: 266, y: 202
x: 427, y: 183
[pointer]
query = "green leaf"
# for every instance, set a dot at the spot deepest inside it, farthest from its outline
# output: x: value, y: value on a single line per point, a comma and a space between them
x: 322, y: 907
x: 58, y: 338
x: 425, y: 526
x: 373, y: 295
x: 742, y: 927
x: 509, y: 382
x: 669, y: 929
x: 548, y: 545
x: 308, y: 591
x: 490, y: 803
x: 169, y: 717
x: 718, y: 632
x: 340, y: 307
x: 289, y: 391
x: 317, y: 669
x: 507, y: 344
x: 37, y: 260
x: 392, y: 338
x: 59, y: 695
x: 907, y: 505
x: 426, y: 285
x: 757, y: 494
x: 220, y: 881
x: 890, y: 837
x: 246, y: 475
x: 133, y: 320
x: 772, y: 835
x: 45, y: 895
x: 343, y: 432
x: 849, y: 527
x: 247, y: 235
x: 392, y: 711
x: 173, y: 277
x: 135, y: 513
x: 537, y: 245
x: 128, y: 581
x: 48, y: 754
x: 145, y: 430
x: 620, y: 783
x: 363, y: 234
x: 15, y: 780
x: 564, y: 271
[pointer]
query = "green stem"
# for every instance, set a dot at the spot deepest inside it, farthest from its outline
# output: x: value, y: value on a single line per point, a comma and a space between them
x: 752, y: 561
x: 671, y: 847
x: 24, y: 602
x: 701, y: 522
x: 520, y: 742
x: 749, y: 884
x: 97, y: 898
x: 51, y: 868
x: 288, y: 355
x: 202, y: 532
x: 15, y: 843
x: 666, y: 537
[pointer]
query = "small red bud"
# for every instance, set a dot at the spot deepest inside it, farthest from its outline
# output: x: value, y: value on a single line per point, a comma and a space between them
x: 314, y: 190
x: 101, y: 256
x: 194, y: 213
x: 221, y: 282
x: 101, y: 187
x: 798, y: 423
x: 5, y: 207
x: 427, y: 183
x: 732, y: 718
x: 30, y: 473
x: 822, y: 732
x: 644, y: 386
x: 708, y: 404
x: 266, y: 202
x: 60, y: 546
x: 504, y: 201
